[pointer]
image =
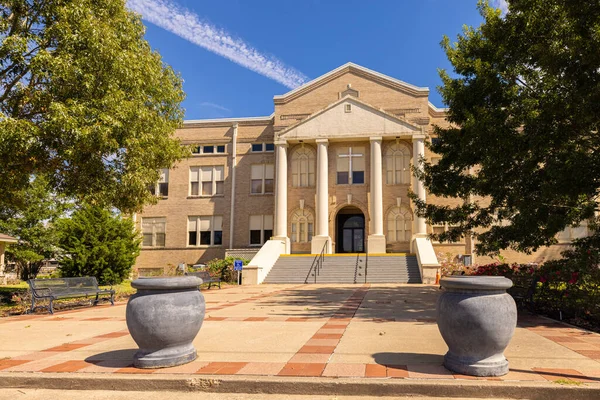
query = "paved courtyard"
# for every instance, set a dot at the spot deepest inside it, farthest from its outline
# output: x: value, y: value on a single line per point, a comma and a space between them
x: 370, y: 331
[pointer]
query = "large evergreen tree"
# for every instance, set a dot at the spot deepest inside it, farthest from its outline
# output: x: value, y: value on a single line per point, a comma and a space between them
x: 523, y: 151
x: 97, y: 242
x: 84, y: 102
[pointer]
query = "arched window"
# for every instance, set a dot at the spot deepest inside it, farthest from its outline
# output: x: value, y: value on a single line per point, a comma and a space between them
x: 399, y: 225
x: 397, y: 164
x: 303, y: 167
x: 302, y: 226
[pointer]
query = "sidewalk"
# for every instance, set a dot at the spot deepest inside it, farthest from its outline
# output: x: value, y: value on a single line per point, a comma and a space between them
x: 373, y: 332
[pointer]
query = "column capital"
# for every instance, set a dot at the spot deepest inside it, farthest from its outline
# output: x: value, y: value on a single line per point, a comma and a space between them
x: 375, y: 138
x: 418, y: 137
x: 322, y: 141
x: 283, y: 143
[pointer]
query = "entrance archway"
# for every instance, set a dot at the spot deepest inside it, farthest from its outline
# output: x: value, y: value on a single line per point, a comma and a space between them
x: 350, y: 230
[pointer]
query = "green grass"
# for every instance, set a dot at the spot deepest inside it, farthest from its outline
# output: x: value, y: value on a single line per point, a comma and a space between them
x: 14, y: 299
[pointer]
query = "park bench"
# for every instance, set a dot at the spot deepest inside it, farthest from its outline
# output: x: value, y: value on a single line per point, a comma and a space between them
x: 62, y: 288
x: 206, y: 278
x: 522, y: 291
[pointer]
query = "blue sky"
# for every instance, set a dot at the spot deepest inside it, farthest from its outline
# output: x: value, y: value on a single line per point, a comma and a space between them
x: 245, y: 52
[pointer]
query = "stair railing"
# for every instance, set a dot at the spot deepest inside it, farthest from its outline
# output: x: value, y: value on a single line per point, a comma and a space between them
x: 317, y: 264
x: 356, y: 267
x: 366, y: 265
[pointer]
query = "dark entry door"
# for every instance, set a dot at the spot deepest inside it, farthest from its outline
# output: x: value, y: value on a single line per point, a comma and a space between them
x: 351, y: 233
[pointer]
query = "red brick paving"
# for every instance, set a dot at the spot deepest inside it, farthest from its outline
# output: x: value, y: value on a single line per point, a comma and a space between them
x: 302, y: 369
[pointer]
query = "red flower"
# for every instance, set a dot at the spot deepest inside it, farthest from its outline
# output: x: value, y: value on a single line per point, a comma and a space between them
x: 543, y: 279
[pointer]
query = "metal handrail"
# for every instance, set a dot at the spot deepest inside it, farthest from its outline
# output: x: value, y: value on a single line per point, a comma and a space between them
x: 366, y: 265
x: 356, y: 267
x: 317, y: 263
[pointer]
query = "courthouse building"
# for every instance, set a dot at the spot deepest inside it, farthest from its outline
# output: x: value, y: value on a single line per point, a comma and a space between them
x: 328, y: 170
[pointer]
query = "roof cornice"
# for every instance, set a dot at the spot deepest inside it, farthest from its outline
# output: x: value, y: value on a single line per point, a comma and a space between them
x: 190, y: 123
x: 437, y: 112
x: 358, y: 70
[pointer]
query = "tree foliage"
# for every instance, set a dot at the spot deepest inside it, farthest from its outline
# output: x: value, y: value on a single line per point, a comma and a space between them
x: 84, y: 102
x: 524, y: 108
x: 33, y: 226
x: 97, y: 242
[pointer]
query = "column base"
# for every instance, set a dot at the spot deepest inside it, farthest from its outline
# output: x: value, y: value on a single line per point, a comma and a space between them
x: 376, y: 244
x: 288, y: 243
x: 317, y: 243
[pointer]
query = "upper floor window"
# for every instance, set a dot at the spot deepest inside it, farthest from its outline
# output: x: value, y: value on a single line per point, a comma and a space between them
x: 261, y: 228
x: 303, y: 167
x: 302, y: 226
x: 399, y: 225
x: 397, y: 164
x: 207, y: 180
x: 351, y: 165
x: 205, y: 230
x: 208, y: 149
x: 154, y: 231
x: 161, y: 188
x: 261, y: 147
x: 262, y: 178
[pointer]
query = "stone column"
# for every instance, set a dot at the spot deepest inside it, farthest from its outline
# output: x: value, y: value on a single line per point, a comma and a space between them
x: 376, y: 239
x: 419, y: 187
x: 322, y: 206
x: 281, y: 194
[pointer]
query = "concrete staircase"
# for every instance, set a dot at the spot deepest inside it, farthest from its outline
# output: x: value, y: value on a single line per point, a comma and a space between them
x: 352, y: 268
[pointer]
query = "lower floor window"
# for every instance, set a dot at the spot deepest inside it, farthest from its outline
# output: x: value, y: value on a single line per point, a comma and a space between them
x: 154, y: 232
x: 205, y: 230
x: 261, y: 228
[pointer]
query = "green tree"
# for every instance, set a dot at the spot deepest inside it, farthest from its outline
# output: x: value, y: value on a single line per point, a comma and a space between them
x: 84, y: 102
x: 523, y: 150
x: 97, y: 242
x: 34, y: 226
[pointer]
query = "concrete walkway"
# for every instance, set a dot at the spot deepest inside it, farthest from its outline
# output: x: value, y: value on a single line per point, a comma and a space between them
x: 373, y: 332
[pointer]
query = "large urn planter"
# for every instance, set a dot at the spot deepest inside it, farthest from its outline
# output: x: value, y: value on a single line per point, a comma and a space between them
x: 477, y: 319
x: 164, y: 317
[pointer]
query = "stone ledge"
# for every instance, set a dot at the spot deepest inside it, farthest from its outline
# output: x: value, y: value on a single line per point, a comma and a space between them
x: 304, y: 386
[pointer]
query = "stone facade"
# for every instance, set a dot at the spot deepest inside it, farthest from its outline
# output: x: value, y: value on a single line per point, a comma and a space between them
x: 348, y: 109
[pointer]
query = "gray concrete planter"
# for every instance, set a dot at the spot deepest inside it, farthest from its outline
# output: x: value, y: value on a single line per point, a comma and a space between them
x: 477, y: 319
x: 164, y: 317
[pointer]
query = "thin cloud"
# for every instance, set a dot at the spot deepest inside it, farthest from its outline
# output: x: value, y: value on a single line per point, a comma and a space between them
x: 186, y: 24
x: 501, y: 4
x: 215, y: 106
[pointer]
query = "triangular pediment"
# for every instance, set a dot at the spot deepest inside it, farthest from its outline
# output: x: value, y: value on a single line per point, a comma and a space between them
x: 349, y: 118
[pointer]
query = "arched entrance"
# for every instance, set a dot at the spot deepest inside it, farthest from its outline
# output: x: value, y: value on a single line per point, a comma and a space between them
x: 350, y: 230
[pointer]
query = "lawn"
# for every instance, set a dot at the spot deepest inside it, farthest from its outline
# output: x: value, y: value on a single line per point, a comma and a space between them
x: 15, y: 298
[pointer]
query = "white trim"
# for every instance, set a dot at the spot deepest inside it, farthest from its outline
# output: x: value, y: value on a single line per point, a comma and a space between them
x: 225, y: 120
x: 436, y: 109
x: 355, y: 66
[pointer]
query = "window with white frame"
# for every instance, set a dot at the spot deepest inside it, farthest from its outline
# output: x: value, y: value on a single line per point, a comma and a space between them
x: 205, y: 230
x: 571, y: 233
x: 261, y: 176
x: 207, y: 180
x: 261, y: 229
x: 263, y: 147
x: 397, y: 164
x: 399, y: 225
x: 303, y: 167
x: 441, y: 228
x: 208, y: 149
x: 161, y: 188
x: 154, y: 231
x: 302, y: 226
x: 351, y: 166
